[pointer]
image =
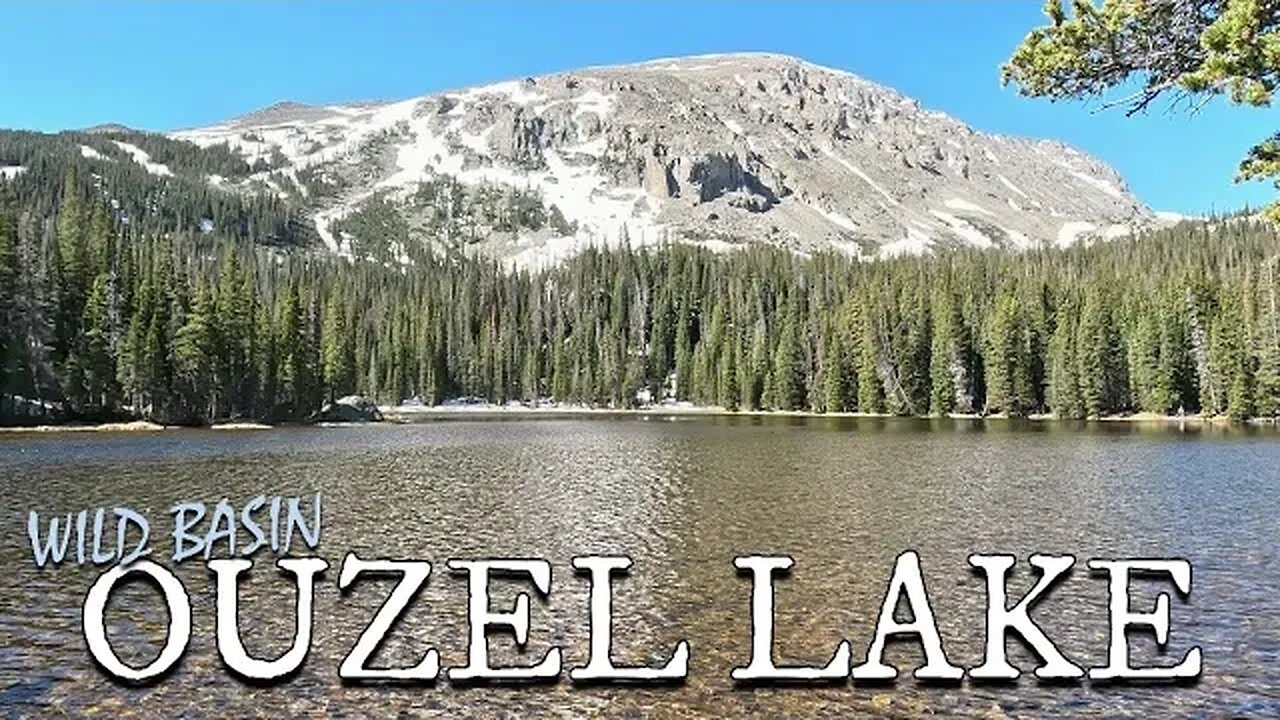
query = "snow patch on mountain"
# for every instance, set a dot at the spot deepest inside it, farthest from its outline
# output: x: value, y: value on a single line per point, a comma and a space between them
x: 1005, y: 181
x: 1019, y: 240
x: 594, y: 101
x: 1071, y: 232
x: 916, y: 242
x: 841, y: 221
x: 324, y: 220
x: 1103, y: 185
x: 141, y: 157
x: 595, y: 148
x: 91, y: 154
x: 964, y: 230
x: 517, y: 92
x: 966, y: 206
x: 1172, y: 218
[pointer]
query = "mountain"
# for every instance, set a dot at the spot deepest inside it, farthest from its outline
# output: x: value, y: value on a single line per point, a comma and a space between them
x: 184, y: 277
x: 718, y: 150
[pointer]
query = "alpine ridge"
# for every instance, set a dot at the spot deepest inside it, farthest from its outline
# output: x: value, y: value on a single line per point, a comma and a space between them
x: 721, y: 151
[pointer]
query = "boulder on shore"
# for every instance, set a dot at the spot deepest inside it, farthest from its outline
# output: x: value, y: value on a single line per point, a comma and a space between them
x: 349, y: 409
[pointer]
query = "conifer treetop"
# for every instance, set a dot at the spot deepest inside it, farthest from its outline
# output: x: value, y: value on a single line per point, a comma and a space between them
x: 1189, y: 51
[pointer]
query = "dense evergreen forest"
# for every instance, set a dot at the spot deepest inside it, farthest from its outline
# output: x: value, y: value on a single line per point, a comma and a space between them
x: 107, y: 318
x: 188, y: 195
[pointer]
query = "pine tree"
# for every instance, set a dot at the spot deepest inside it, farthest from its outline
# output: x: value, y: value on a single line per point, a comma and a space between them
x: 946, y: 366
x: 10, y: 340
x: 231, y: 328
x: 1102, y: 363
x: 1268, y: 381
x: 1230, y: 359
x: 1153, y: 386
x: 756, y: 370
x: 787, y: 384
x: 560, y: 372
x: 1268, y: 375
x: 294, y: 373
x: 195, y: 354
x: 1177, y: 366
x: 913, y: 352
x: 71, y: 266
x: 684, y: 352
x: 662, y: 340
x: 337, y: 351
x: 157, y: 358
x: 100, y: 242
x: 130, y: 369
x: 1065, y: 397
x: 835, y: 387
x: 1009, y: 377
x: 728, y: 391
x: 268, y: 361
x: 99, y: 365
x: 157, y: 380
x: 870, y: 388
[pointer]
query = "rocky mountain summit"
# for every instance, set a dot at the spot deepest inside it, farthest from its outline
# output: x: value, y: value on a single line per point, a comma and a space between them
x: 719, y: 150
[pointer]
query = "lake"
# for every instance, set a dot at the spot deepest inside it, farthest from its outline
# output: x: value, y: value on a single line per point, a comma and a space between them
x: 682, y: 496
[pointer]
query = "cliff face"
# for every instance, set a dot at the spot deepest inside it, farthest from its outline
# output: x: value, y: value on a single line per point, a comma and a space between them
x: 719, y: 150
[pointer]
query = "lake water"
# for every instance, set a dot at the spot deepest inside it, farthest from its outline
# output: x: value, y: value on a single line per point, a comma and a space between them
x: 682, y: 496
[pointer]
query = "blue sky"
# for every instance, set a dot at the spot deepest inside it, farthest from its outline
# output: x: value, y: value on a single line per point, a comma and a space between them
x: 162, y: 66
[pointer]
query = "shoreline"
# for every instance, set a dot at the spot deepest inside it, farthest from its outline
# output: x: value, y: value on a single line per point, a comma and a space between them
x: 401, y: 415
x: 132, y: 426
